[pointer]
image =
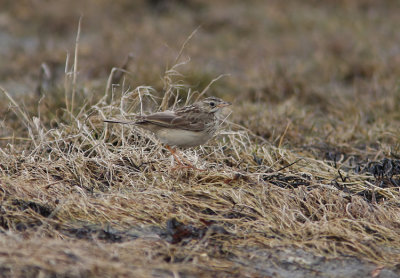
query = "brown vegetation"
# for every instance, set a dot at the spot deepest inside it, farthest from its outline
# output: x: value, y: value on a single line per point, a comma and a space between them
x: 307, y: 161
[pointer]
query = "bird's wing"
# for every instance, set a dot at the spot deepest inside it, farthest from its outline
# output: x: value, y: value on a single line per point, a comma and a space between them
x: 172, y: 120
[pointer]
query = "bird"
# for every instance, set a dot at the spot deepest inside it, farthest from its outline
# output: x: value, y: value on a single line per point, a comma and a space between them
x: 188, y: 126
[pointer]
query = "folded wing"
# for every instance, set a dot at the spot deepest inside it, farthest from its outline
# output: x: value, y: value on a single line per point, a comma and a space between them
x: 172, y: 120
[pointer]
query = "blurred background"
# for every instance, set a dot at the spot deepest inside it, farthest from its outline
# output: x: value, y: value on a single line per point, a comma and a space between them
x: 312, y: 68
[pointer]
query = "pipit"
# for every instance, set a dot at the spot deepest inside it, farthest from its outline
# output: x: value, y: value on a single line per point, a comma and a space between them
x: 189, y: 126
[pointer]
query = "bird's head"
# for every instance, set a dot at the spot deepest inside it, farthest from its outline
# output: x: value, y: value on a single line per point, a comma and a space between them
x: 212, y: 104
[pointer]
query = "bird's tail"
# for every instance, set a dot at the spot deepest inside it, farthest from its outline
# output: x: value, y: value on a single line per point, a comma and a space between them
x: 118, y: 122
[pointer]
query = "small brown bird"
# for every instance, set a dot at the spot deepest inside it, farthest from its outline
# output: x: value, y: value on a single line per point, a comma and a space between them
x: 189, y: 126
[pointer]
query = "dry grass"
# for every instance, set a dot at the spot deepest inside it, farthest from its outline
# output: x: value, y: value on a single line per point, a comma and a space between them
x: 308, y: 159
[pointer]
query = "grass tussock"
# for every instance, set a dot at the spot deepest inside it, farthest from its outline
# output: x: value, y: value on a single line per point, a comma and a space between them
x: 115, y: 186
x: 307, y: 159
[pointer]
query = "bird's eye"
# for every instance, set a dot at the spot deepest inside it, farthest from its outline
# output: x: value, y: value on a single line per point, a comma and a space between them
x: 212, y: 104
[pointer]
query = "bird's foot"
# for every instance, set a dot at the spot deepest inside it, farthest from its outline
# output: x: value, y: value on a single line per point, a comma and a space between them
x: 182, y: 162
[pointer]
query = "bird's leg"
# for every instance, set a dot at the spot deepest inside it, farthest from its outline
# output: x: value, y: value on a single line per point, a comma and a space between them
x: 174, y: 154
x: 179, y: 159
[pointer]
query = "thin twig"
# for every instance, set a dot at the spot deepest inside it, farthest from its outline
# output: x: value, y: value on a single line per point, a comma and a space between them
x: 16, y: 105
x: 283, y: 135
x: 291, y: 164
x: 66, y: 83
x: 75, y: 73
x: 110, y: 79
x: 184, y: 45
x: 209, y: 85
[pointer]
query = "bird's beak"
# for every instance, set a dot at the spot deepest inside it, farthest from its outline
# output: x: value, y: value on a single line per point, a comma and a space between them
x: 224, y: 104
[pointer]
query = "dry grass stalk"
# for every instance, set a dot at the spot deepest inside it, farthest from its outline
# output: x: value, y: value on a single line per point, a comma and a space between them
x: 81, y: 198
